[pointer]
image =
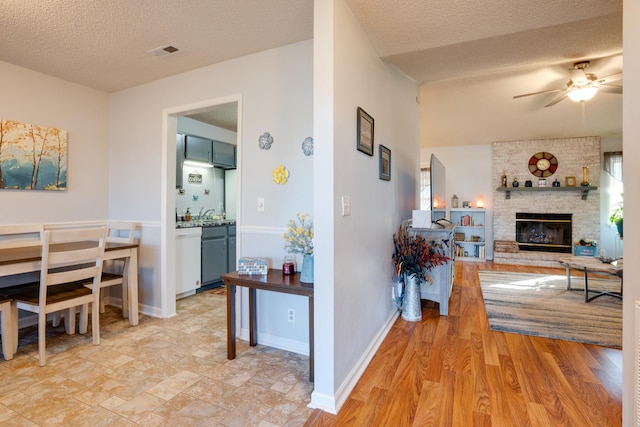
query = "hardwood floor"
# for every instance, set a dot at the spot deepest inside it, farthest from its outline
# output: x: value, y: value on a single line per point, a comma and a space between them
x: 455, y: 371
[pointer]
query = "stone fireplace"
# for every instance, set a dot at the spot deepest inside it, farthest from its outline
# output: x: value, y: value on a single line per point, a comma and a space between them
x: 513, y: 158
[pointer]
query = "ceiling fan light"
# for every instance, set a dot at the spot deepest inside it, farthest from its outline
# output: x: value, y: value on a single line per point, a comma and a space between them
x: 582, y: 94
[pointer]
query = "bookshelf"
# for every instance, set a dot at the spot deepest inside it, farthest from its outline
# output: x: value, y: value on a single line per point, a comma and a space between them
x: 469, y: 233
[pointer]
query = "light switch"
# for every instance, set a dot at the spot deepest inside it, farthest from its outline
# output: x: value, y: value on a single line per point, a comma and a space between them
x: 260, y: 204
x: 346, y: 205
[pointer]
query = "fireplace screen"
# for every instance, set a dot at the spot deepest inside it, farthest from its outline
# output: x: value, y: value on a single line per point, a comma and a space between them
x: 543, y: 232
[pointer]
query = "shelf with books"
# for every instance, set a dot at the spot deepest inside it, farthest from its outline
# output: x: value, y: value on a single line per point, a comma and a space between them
x: 469, y: 233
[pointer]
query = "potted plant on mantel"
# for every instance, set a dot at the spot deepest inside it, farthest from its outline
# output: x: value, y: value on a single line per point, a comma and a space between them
x: 617, y: 215
x: 413, y: 256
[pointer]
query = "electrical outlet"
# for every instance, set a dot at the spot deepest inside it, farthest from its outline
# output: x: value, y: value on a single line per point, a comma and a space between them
x: 346, y: 205
x: 291, y: 315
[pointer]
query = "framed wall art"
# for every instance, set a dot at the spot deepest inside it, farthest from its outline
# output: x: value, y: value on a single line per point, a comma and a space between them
x: 385, y: 163
x: 32, y: 157
x: 365, y: 132
x: 570, y: 181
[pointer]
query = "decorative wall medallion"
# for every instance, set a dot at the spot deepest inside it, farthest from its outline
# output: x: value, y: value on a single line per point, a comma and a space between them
x: 307, y: 146
x: 543, y: 164
x: 280, y: 175
x: 265, y: 141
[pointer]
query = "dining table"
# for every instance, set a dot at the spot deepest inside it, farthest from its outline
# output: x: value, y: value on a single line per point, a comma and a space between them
x: 28, y: 259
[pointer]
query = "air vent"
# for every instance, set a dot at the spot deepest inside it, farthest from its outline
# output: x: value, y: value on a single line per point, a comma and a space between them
x: 163, y: 51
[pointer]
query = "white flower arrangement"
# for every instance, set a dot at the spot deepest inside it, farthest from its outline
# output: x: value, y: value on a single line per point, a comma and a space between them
x: 299, y: 236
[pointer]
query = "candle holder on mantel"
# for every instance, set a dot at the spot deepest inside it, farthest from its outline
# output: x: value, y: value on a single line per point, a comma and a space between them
x: 585, y: 177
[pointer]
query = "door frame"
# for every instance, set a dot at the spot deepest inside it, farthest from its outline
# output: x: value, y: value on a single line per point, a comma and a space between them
x: 168, y: 197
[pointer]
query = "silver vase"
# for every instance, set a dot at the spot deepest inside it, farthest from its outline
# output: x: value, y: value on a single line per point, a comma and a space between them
x: 411, y: 309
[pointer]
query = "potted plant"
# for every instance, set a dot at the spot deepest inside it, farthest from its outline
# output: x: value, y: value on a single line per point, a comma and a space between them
x: 413, y: 256
x: 617, y: 215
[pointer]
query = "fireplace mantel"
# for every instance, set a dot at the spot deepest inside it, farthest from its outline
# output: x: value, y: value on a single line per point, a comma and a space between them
x: 584, y: 190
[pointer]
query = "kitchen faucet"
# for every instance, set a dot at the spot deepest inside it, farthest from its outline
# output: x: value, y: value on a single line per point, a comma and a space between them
x: 206, y: 213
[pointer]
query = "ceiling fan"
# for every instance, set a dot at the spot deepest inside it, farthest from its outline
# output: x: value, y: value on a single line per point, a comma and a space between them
x: 582, y: 86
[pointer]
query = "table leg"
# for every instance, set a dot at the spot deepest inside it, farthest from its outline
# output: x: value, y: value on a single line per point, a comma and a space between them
x: 231, y: 321
x: 132, y: 287
x: 586, y: 285
x: 568, y: 278
x: 253, y: 326
x: 311, y: 346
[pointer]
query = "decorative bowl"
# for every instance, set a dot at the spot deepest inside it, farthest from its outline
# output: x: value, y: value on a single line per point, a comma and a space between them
x: 605, y: 259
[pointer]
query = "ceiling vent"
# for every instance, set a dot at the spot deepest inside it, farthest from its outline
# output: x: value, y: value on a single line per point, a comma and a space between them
x: 163, y: 51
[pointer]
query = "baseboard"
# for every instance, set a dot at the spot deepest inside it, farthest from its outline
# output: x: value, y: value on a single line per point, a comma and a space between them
x: 299, y: 347
x: 332, y: 404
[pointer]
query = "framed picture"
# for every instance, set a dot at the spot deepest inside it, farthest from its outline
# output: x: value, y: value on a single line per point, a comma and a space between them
x: 570, y: 181
x: 385, y: 163
x: 365, y: 132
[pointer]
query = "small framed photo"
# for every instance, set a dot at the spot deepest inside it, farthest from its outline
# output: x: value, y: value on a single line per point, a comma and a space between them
x: 570, y: 181
x: 365, y: 132
x: 385, y: 163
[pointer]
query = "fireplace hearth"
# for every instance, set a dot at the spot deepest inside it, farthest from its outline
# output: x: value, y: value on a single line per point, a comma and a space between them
x: 544, y: 232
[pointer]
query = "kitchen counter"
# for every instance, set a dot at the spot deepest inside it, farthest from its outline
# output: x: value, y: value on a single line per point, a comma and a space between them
x: 207, y: 223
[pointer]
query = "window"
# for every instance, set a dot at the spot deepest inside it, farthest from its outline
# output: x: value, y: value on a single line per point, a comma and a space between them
x: 613, y: 166
x: 425, y: 189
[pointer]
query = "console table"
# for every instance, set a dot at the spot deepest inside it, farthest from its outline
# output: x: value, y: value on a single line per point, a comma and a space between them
x: 273, y: 281
x: 440, y: 290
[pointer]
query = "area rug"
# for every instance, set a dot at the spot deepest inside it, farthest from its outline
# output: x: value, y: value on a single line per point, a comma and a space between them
x: 541, y: 305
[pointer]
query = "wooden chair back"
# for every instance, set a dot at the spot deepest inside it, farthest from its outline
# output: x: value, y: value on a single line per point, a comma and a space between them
x: 121, y: 232
x: 71, y: 255
x: 20, y: 235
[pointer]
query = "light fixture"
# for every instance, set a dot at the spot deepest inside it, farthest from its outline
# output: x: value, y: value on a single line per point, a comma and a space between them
x: 581, y: 94
x: 480, y: 202
x: 197, y: 163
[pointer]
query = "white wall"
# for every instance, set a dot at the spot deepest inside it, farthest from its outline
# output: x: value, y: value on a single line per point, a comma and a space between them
x: 275, y: 88
x: 631, y: 148
x: 353, y: 261
x: 38, y: 99
x: 468, y: 176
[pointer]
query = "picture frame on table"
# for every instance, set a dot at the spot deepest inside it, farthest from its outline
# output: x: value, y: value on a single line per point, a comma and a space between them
x: 385, y: 163
x: 570, y: 181
x: 365, y: 132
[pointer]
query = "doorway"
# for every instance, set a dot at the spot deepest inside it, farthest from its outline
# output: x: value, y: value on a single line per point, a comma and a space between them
x: 204, y: 109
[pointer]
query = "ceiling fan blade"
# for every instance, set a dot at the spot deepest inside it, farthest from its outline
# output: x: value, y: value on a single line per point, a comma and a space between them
x: 610, y: 89
x: 555, y: 101
x: 610, y: 78
x: 538, y: 93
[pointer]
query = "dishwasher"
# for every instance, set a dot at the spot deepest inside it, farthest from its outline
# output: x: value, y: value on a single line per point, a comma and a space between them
x: 187, y: 261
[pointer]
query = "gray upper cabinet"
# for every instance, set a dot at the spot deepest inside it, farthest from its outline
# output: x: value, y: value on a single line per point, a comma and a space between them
x: 224, y: 154
x: 199, y: 149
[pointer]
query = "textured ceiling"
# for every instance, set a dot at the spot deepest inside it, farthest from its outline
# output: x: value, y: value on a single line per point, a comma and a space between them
x: 105, y: 44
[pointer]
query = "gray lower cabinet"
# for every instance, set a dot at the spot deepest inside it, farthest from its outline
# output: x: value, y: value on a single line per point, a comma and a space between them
x: 231, y: 255
x: 214, y: 254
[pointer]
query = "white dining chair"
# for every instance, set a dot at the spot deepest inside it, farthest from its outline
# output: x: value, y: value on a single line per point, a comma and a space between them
x: 6, y: 328
x: 69, y: 257
x: 114, y: 272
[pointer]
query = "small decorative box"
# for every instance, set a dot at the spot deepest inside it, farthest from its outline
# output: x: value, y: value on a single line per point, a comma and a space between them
x: 253, y: 266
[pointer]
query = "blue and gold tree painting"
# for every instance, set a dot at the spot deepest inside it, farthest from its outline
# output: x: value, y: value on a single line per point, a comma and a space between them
x: 32, y: 157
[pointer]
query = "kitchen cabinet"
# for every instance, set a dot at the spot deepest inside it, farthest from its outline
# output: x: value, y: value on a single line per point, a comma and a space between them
x: 214, y: 254
x: 199, y: 149
x: 231, y: 255
x: 224, y: 154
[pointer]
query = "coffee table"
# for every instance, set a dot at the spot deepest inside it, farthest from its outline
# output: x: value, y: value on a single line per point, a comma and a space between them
x: 592, y: 265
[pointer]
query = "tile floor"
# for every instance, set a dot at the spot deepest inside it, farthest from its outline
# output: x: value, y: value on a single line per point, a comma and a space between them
x: 162, y: 372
